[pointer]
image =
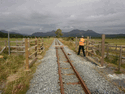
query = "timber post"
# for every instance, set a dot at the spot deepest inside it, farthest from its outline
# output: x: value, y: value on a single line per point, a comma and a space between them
x: 39, y: 42
x: 8, y: 43
x: 26, y: 55
x: 42, y: 41
x: 107, y: 49
x: 103, y: 49
x: 36, y: 47
x: 28, y: 43
x: 76, y: 44
x: 120, y: 59
x: 87, y: 43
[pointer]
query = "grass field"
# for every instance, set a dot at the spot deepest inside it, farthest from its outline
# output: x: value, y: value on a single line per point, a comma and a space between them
x: 113, y: 41
x: 111, y: 59
x: 12, y: 75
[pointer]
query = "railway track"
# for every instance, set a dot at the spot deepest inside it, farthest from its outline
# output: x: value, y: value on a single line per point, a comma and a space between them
x: 70, y: 80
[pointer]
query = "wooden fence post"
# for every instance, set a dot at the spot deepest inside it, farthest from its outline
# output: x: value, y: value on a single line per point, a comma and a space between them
x: 76, y: 44
x: 28, y: 43
x: 120, y: 59
x: 36, y: 47
x: 87, y: 43
x: 103, y: 49
x: 42, y: 41
x: 107, y: 48
x: 8, y: 43
x: 39, y: 41
x: 26, y: 55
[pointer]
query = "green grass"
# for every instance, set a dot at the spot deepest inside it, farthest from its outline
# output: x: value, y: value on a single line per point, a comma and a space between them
x: 2, y: 44
x: 113, y: 41
x: 12, y: 71
x: 110, y: 59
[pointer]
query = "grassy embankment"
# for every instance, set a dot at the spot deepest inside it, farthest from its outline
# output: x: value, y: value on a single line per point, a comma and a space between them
x: 13, y: 78
x: 111, y: 60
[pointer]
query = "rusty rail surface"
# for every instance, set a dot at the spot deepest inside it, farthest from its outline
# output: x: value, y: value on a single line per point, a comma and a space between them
x: 86, y: 90
x: 59, y: 71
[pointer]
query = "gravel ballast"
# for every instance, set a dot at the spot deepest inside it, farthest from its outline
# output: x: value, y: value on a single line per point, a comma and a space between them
x: 95, y: 82
x: 46, y: 78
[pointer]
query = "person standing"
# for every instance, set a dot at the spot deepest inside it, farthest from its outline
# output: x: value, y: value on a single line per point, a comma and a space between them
x: 81, y: 45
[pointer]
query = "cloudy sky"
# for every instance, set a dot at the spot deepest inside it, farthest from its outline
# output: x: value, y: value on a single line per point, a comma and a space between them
x: 28, y: 16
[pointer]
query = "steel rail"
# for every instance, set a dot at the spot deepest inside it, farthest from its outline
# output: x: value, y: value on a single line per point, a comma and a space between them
x: 86, y: 90
x: 59, y: 71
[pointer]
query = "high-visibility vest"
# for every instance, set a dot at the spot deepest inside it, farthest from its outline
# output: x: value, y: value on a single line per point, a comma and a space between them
x: 81, y: 41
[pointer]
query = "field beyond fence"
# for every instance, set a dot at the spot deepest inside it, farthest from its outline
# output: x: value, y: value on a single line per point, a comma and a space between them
x: 101, y: 51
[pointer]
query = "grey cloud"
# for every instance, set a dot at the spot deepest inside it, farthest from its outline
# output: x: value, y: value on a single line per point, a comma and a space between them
x: 28, y: 16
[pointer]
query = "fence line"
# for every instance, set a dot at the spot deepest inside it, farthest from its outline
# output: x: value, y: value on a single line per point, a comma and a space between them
x: 92, y: 47
x: 32, y: 49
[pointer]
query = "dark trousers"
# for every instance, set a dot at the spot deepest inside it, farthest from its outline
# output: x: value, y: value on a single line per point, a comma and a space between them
x: 81, y: 47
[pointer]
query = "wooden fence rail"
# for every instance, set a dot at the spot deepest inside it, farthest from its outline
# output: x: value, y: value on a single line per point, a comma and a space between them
x: 105, y: 50
x: 18, y: 46
x: 32, y: 49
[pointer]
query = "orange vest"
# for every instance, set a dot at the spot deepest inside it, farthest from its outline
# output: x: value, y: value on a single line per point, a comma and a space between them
x: 81, y: 42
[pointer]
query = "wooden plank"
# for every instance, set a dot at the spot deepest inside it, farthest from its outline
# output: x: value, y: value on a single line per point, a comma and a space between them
x: 76, y: 44
x: 2, y: 50
x: 120, y: 59
x: 87, y: 43
x: 17, y: 41
x: 92, y: 60
x: 26, y: 55
x: 95, y: 55
x: 40, y: 52
x: 36, y: 48
x: 8, y: 43
x: 32, y: 47
x: 32, y: 62
x: 32, y: 54
x: 103, y: 49
x: 33, y: 40
x: 17, y: 51
x: 17, y: 46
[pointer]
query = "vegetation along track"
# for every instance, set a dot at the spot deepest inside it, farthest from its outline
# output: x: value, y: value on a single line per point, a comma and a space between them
x: 70, y: 80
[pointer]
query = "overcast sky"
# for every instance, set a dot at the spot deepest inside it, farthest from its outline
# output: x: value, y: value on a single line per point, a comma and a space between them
x: 28, y: 16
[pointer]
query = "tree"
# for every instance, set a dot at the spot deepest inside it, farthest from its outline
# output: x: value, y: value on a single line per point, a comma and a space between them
x: 58, y: 33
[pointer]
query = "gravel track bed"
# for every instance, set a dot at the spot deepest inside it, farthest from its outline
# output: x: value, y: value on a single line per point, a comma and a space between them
x: 68, y: 76
x: 95, y: 82
x: 46, y: 78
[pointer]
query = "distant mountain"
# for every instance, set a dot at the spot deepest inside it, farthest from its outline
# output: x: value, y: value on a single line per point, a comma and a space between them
x: 51, y: 33
x: 79, y: 33
x: 3, y: 31
x: 13, y: 32
x: 73, y: 33
x: 5, y: 35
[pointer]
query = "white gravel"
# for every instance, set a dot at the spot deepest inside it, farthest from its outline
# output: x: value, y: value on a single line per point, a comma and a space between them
x: 46, y: 78
x: 96, y: 83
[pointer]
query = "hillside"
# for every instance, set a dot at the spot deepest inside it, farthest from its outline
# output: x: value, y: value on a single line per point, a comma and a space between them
x: 52, y: 33
x: 72, y: 33
x: 5, y: 35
